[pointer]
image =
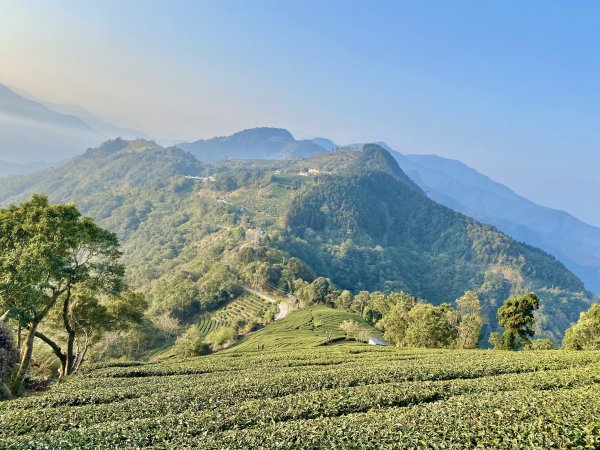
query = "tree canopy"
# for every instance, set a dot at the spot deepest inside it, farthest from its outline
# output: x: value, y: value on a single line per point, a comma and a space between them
x: 47, y: 253
x: 517, y: 319
x: 585, y: 334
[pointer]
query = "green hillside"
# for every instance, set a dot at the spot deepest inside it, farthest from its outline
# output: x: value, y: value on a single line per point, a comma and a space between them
x: 351, y: 397
x: 308, y: 327
x: 245, y: 308
x: 192, y: 233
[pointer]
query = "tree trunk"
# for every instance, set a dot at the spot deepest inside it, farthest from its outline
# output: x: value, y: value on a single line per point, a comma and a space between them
x: 70, y: 352
x: 70, y: 333
x: 57, y: 351
x: 17, y: 384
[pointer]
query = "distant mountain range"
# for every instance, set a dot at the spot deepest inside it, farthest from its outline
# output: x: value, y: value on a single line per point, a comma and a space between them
x: 31, y: 131
x: 255, y: 143
x: 8, y: 169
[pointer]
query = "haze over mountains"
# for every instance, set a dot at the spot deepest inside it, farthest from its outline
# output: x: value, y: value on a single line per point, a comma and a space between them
x: 31, y: 131
x: 463, y: 189
x: 33, y: 134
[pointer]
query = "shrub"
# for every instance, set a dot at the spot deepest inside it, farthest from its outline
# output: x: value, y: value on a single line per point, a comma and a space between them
x: 541, y: 344
x: 253, y: 325
x: 221, y: 338
x: 190, y: 343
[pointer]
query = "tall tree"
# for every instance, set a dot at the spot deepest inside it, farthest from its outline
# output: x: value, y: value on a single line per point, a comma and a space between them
x: 470, y: 320
x: 46, y: 252
x: 516, y: 317
x: 396, y: 321
x: 430, y: 326
x: 585, y: 334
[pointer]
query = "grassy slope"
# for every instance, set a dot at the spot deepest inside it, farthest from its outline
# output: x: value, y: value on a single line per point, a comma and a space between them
x: 304, y: 328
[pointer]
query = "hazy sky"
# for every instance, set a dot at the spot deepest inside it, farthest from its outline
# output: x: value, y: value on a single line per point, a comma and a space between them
x: 512, y: 88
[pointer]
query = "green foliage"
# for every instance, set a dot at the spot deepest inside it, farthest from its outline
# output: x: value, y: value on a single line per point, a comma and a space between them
x: 222, y: 337
x: 191, y: 343
x: 396, y: 321
x: 365, y: 397
x: 495, y: 341
x: 308, y: 327
x: 207, y: 325
x: 585, y: 334
x: 373, y: 230
x: 244, y: 310
x: 517, y: 319
x: 541, y: 344
x: 470, y: 320
x: 47, y: 253
x: 427, y: 326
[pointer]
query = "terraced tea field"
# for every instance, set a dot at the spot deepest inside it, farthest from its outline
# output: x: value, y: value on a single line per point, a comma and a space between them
x: 339, y: 396
x: 307, y: 327
x: 245, y: 308
x: 207, y: 325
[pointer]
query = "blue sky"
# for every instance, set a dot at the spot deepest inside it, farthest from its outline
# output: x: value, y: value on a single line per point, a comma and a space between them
x: 509, y: 87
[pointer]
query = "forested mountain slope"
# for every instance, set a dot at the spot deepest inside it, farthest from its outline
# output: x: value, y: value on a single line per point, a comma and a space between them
x: 452, y: 183
x: 192, y: 232
x: 463, y: 189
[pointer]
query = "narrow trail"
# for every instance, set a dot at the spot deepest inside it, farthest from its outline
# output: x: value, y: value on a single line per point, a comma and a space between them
x: 283, y: 304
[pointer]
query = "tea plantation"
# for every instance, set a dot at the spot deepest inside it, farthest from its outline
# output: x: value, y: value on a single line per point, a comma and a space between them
x: 337, y: 396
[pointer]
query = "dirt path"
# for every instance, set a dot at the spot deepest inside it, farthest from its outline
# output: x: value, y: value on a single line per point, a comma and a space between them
x: 283, y: 305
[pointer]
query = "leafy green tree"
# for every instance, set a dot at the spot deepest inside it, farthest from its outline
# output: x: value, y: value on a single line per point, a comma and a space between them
x: 46, y: 253
x: 470, y: 320
x: 396, y: 321
x: 517, y: 319
x: 429, y: 326
x: 360, y: 302
x: 320, y: 290
x: 585, y: 334
x: 345, y: 300
x: 495, y: 340
x: 88, y: 317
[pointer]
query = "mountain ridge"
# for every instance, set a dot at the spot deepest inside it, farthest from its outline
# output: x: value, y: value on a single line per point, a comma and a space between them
x: 182, y: 223
x: 252, y: 143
